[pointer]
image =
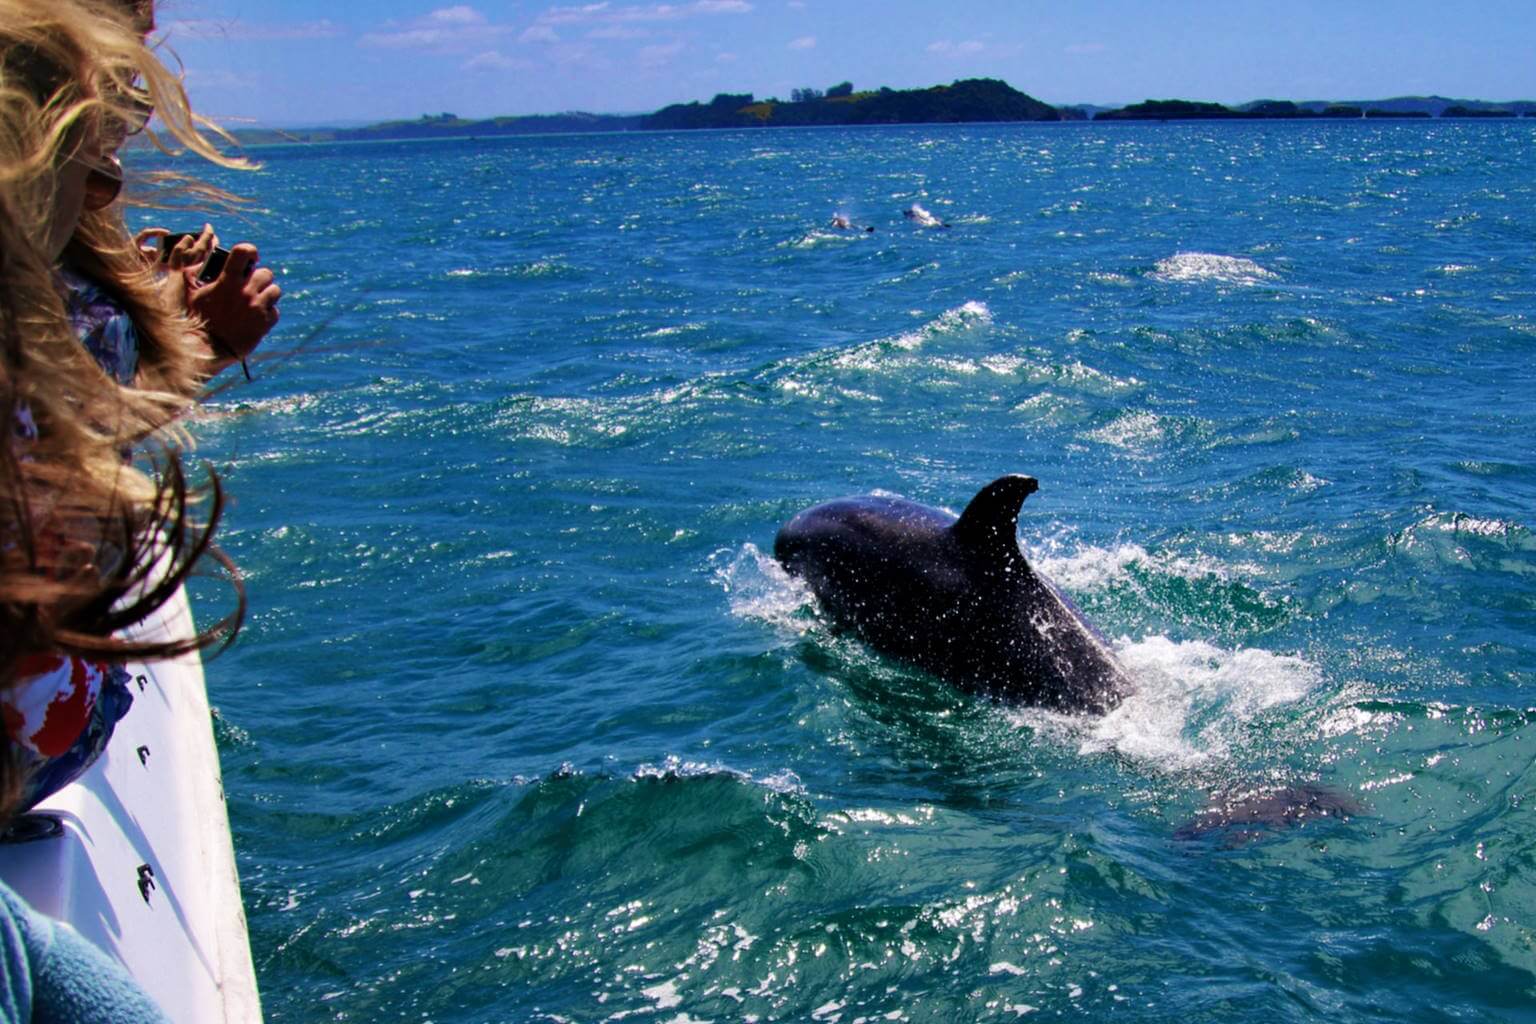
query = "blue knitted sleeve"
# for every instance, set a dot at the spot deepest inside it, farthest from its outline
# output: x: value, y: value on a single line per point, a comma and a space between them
x: 68, y: 980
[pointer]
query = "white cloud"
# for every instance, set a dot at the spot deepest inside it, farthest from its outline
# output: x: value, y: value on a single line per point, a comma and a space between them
x: 219, y: 78
x: 725, y: 58
x: 234, y: 28
x: 460, y: 15
x: 803, y: 43
x: 579, y: 56
x: 659, y: 56
x: 949, y: 48
x: 618, y: 32
x: 606, y: 13
x: 573, y: 14
x: 491, y: 60
x: 445, y: 30
x: 538, y: 34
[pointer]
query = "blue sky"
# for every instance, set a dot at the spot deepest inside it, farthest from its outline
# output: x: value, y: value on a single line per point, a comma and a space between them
x: 299, y: 62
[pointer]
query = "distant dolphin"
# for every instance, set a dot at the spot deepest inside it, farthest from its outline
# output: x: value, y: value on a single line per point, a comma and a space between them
x: 954, y: 597
x: 922, y: 218
x: 842, y: 222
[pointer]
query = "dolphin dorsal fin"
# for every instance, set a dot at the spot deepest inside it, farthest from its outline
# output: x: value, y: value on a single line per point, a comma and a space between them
x: 991, y: 521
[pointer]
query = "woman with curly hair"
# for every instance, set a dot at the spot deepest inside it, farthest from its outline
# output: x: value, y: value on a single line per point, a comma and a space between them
x: 89, y: 543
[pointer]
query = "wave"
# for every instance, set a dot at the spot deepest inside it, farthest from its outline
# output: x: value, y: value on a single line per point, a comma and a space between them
x: 819, y: 237
x: 872, y: 355
x: 1196, y: 267
x: 1512, y: 534
x: 674, y: 768
x: 530, y: 270
x: 1141, y: 434
x: 286, y: 405
x: 712, y: 398
x: 1457, y: 539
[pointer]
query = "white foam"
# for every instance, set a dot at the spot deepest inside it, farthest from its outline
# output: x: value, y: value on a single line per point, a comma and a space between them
x: 1193, y: 702
x: 1194, y: 267
x: 817, y: 237
x: 1090, y: 567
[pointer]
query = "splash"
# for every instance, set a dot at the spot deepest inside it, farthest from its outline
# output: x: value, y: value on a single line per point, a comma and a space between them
x: 1196, y: 267
x: 1087, y: 568
x: 920, y: 216
x: 757, y: 587
x: 1193, y: 702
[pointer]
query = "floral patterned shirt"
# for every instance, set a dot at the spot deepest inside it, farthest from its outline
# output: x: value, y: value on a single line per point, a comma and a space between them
x: 103, y: 326
x: 61, y: 709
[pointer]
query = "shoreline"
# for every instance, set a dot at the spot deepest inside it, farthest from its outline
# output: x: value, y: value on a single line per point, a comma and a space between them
x: 264, y: 142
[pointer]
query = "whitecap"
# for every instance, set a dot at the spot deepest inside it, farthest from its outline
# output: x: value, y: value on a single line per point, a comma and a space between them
x: 920, y: 216
x: 1195, y: 267
x: 870, y: 355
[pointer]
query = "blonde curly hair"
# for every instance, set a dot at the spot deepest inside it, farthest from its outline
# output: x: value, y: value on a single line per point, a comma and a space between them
x: 89, y: 543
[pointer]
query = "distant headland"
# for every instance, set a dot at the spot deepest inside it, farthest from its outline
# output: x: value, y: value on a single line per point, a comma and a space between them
x: 968, y: 100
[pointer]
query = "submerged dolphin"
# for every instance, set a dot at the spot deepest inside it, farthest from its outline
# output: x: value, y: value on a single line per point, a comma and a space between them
x: 955, y: 597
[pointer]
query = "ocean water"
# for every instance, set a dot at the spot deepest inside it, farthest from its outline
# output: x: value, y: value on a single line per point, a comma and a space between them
x: 526, y: 725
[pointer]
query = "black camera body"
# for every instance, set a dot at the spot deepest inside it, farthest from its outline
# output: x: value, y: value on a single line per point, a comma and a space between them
x: 216, y: 259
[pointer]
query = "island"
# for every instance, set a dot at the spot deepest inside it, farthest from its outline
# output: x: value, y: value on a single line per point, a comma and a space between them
x: 967, y: 100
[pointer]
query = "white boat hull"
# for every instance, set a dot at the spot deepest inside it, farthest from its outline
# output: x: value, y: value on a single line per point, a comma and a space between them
x: 143, y: 864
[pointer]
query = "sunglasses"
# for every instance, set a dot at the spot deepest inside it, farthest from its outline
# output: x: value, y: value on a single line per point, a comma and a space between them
x: 103, y: 183
x: 132, y: 115
x: 128, y: 111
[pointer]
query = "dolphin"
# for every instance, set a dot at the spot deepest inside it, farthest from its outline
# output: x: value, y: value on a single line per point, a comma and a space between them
x: 922, y: 218
x: 1239, y: 818
x: 953, y: 596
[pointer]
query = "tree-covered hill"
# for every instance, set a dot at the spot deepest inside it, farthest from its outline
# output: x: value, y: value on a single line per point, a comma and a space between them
x: 972, y: 99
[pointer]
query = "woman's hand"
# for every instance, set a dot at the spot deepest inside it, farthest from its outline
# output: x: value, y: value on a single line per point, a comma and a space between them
x: 189, y: 253
x: 239, y: 306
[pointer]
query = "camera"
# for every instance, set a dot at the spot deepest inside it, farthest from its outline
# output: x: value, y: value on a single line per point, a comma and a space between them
x: 216, y: 259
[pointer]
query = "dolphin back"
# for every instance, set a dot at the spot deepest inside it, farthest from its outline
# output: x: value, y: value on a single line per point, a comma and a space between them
x: 953, y: 596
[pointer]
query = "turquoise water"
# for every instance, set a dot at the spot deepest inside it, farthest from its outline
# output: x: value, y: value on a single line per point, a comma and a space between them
x: 526, y: 726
